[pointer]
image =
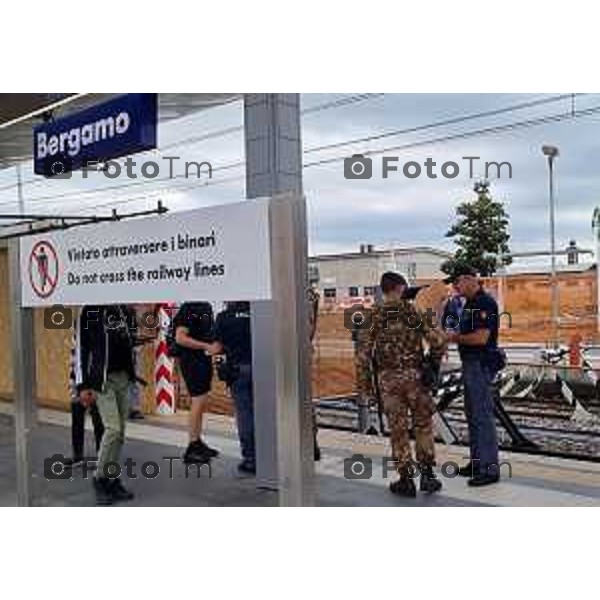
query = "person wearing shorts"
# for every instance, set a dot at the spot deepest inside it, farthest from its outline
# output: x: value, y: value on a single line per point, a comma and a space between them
x: 193, y: 326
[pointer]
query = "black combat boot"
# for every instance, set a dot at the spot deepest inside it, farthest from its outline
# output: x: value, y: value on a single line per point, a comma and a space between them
x: 405, y: 486
x: 483, y: 479
x: 429, y: 481
x: 102, y: 487
x: 470, y: 469
x: 119, y: 492
x: 247, y: 466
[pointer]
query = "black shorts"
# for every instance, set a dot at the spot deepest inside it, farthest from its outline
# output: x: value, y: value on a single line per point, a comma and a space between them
x: 196, y: 370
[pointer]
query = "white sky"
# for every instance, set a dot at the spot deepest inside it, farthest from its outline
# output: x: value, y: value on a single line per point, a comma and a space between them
x: 344, y: 213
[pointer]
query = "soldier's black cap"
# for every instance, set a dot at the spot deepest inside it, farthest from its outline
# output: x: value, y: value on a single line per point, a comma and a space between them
x: 390, y: 279
x: 460, y: 270
x: 410, y: 293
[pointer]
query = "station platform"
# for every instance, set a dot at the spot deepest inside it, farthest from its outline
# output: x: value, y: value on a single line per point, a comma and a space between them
x: 535, y: 481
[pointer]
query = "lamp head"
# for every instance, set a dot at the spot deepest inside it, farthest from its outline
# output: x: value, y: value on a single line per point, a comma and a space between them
x: 550, y: 151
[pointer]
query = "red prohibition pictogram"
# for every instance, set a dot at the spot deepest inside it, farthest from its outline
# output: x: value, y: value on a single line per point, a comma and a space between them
x: 43, y: 269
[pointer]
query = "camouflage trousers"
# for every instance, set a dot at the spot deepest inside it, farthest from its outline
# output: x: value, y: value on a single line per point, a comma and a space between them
x: 404, y: 396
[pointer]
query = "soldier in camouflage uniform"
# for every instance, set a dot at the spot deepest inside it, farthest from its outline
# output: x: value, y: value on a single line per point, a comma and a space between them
x: 395, y: 343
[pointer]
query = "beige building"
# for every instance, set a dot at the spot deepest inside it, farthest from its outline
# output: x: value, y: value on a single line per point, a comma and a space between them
x: 351, y: 275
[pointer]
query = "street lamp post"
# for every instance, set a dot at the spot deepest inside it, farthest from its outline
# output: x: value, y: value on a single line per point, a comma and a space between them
x: 552, y: 152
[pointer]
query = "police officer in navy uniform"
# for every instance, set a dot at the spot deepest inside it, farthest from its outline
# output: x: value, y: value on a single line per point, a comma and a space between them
x: 233, y: 339
x: 477, y: 339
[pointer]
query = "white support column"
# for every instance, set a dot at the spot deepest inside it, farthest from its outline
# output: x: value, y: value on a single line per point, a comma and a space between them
x: 295, y: 451
x: 24, y: 377
x: 274, y: 166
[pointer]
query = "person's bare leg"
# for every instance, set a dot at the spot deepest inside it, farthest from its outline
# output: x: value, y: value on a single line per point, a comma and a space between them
x: 199, y: 407
x: 198, y: 450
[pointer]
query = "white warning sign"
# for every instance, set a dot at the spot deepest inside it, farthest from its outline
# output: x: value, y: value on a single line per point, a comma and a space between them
x: 213, y: 253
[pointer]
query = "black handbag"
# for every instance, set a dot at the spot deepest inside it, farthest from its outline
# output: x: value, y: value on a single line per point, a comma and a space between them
x: 227, y: 372
x: 430, y: 371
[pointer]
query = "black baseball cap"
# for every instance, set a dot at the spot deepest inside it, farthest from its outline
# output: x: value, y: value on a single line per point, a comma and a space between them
x: 410, y: 293
x: 460, y: 270
x: 390, y: 280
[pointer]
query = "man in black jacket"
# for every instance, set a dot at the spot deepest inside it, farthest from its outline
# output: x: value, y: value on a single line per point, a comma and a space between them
x: 104, y: 370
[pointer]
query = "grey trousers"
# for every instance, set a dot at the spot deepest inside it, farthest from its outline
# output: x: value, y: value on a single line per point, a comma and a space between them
x: 113, y: 406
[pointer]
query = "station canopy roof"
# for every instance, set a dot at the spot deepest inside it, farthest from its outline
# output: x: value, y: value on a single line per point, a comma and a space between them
x: 19, y: 113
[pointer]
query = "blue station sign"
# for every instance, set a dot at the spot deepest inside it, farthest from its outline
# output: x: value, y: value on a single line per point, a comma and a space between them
x: 124, y: 125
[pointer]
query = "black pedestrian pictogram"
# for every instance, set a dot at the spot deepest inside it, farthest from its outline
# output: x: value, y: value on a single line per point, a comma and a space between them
x: 43, y: 269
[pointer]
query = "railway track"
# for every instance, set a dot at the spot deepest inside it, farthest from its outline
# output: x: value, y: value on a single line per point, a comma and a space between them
x: 546, y: 422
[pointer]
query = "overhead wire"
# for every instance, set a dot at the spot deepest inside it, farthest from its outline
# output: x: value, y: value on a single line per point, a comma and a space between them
x: 570, y: 114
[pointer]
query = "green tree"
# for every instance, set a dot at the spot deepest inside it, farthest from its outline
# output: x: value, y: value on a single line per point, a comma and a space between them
x: 481, y: 234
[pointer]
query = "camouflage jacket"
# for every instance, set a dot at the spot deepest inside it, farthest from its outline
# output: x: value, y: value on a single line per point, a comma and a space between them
x: 396, y: 341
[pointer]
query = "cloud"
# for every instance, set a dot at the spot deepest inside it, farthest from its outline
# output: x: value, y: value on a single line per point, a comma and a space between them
x: 421, y: 210
x: 345, y: 213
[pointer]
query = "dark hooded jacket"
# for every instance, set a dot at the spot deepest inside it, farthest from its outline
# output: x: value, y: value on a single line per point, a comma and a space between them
x: 103, y: 343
